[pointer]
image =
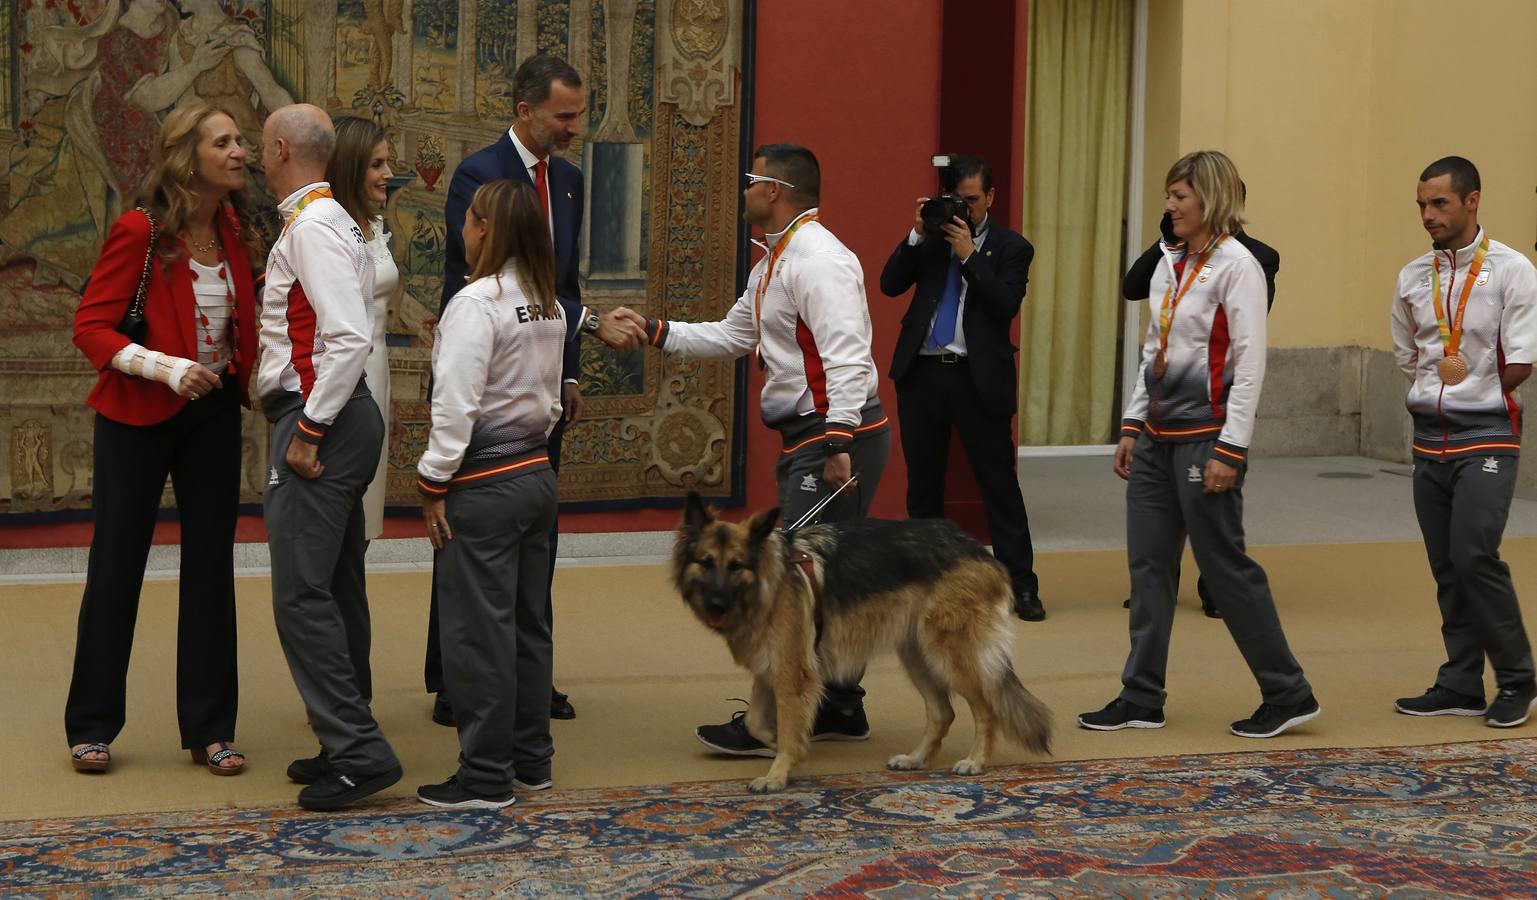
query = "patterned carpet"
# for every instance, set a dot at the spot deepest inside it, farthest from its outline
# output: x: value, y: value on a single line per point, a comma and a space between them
x: 1447, y: 820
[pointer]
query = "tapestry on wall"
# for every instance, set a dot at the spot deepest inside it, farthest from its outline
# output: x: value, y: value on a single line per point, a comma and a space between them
x: 84, y: 83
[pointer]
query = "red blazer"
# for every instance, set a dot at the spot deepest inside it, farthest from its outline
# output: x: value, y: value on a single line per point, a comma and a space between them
x: 170, y: 311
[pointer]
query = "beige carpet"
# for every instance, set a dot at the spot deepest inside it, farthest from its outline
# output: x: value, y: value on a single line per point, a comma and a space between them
x: 643, y: 673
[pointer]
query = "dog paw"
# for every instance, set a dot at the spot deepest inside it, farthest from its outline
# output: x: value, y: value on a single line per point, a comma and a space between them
x: 903, y: 762
x: 766, y: 785
x: 967, y: 767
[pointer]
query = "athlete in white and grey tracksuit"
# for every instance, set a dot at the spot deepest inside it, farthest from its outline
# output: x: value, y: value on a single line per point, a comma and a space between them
x: 496, y: 370
x: 1466, y: 446
x: 316, y: 334
x: 1197, y: 406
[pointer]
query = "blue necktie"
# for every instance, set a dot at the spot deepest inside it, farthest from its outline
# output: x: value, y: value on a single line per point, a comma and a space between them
x: 949, y: 306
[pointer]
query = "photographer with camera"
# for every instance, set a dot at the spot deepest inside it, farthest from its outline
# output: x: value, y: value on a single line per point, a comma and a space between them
x: 954, y: 362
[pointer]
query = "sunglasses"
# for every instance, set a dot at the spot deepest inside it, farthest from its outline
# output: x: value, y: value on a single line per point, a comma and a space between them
x: 753, y: 179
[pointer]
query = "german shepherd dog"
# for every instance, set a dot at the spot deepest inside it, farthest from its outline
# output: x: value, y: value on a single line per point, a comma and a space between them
x: 921, y: 587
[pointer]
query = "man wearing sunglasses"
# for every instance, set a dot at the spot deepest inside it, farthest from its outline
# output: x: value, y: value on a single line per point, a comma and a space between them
x: 954, y: 366
x: 806, y: 319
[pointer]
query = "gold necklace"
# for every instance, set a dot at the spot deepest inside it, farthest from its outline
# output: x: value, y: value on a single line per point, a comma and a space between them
x: 213, y: 242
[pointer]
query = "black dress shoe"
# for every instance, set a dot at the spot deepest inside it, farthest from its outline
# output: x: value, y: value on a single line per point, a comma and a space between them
x: 560, y: 706
x: 443, y: 712
x: 1027, y: 605
x: 310, y: 769
x: 1208, y: 605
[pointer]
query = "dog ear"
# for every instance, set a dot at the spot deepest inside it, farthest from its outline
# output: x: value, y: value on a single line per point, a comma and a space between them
x: 762, y: 525
x: 696, y: 514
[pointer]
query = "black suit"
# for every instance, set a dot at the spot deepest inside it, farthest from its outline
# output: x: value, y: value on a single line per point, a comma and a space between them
x: 976, y: 395
x: 501, y: 160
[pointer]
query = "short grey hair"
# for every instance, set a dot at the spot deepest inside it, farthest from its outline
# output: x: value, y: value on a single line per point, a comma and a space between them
x: 307, y: 129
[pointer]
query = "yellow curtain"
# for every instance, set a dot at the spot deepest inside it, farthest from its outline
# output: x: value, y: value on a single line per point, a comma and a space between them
x: 1078, y: 87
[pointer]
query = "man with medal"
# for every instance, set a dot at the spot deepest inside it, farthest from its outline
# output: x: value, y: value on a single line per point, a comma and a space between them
x: 327, y: 434
x: 805, y: 315
x: 1464, y: 325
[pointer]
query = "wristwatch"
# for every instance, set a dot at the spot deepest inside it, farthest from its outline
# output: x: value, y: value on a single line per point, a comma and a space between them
x: 590, y: 324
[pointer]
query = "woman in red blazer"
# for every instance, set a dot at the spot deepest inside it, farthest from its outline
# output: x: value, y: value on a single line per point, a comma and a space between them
x: 169, y: 407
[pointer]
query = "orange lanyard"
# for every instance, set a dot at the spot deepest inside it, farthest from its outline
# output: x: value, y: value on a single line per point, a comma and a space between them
x: 1451, y: 335
x: 304, y: 201
x: 768, y: 271
x: 1171, y: 299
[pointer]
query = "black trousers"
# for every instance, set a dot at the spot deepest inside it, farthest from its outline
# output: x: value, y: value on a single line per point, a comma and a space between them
x: 199, y: 448
x: 933, y: 398
x: 432, y: 669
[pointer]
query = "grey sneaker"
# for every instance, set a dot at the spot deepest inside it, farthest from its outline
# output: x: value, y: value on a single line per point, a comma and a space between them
x: 1511, y: 706
x: 1440, y: 701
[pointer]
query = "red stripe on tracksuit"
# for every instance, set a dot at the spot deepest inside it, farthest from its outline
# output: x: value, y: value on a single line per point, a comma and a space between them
x: 301, y: 338
x: 811, y: 359
x: 1512, y: 409
x: 1216, y: 361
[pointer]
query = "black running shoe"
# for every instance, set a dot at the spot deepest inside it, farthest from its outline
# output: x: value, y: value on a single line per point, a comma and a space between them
x: 310, y: 769
x: 1270, y: 720
x: 1440, y: 701
x: 841, y: 725
x: 1119, y: 714
x: 453, y: 795
x: 338, y: 789
x: 1511, y: 706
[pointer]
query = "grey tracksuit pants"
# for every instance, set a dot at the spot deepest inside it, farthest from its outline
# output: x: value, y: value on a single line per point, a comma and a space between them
x: 1462, y: 505
x: 1165, y: 500
x: 493, y: 616
x: 315, y: 533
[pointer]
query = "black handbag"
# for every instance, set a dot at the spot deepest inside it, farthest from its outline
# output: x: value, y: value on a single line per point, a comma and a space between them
x: 133, y: 325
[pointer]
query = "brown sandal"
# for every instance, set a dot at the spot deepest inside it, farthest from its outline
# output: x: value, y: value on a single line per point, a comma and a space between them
x: 81, y: 764
x: 215, y: 762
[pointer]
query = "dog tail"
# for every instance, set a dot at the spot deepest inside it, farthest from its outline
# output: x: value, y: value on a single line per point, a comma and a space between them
x: 1021, y: 714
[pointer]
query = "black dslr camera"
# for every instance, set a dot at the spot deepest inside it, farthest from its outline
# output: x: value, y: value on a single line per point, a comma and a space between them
x: 936, y: 212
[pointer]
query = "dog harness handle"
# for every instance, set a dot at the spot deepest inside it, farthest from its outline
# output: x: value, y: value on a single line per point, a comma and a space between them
x: 803, y: 559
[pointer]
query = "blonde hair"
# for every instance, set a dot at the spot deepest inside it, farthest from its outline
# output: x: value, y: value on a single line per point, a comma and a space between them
x: 1215, y: 181
x: 170, y: 190
x: 516, y: 231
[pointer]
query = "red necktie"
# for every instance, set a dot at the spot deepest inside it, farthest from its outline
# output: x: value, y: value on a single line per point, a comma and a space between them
x: 543, y: 187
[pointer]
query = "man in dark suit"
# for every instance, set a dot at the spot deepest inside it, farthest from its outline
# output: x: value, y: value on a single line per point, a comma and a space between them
x: 550, y: 106
x: 954, y: 366
x: 1136, y: 286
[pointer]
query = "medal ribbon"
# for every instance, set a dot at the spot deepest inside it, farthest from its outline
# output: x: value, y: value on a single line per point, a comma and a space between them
x: 304, y: 201
x: 1451, y: 335
x: 768, y: 272
x: 1171, y: 299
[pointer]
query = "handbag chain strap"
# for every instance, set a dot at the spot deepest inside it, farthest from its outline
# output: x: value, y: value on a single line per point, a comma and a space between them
x: 149, y: 253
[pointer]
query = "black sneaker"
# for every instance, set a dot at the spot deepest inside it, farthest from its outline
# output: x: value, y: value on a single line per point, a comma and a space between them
x: 1119, y: 714
x: 1511, y: 706
x: 1270, y: 720
x: 532, y: 783
x: 1440, y: 701
x: 841, y: 725
x: 338, y: 789
x: 453, y: 795
x: 733, y: 739
x: 443, y: 711
x: 310, y: 769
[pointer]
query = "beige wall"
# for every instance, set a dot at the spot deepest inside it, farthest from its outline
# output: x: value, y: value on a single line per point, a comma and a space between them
x: 1331, y: 108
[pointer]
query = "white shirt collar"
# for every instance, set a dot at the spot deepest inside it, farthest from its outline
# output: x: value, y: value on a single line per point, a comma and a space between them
x: 528, y: 157
x: 773, y: 239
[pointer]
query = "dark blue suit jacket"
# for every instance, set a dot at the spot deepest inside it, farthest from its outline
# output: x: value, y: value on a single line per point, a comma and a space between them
x: 995, y: 276
x: 501, y: 160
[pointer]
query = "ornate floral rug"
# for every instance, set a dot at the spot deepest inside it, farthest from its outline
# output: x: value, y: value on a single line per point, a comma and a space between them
x: 1447, y: 820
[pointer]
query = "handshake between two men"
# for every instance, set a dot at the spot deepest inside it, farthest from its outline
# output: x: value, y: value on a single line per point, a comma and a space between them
x: 621, y: 329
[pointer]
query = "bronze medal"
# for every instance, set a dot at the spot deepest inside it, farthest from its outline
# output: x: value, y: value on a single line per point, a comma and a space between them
x: 1452, y: 369
x: 1160, y: 364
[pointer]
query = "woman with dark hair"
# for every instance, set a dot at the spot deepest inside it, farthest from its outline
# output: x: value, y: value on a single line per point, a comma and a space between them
x: 490, y: 495
x: 359, y: 174
x: 168, y: 402
x: 1184, y: 451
